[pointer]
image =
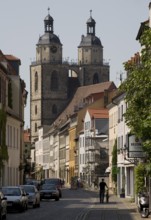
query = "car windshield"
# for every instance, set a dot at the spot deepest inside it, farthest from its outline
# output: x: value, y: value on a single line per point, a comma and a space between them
x: 29, y: 189
x: 52, y: 181
x: 49, y: 187
x: 11, y: 191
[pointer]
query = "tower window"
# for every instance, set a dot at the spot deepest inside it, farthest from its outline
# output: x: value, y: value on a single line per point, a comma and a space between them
x: 54, y: 81
x: 95, y: 78
x: 35, y: 109
x: 35, y: 127
x: 54, y: 109
x: 36, y: 81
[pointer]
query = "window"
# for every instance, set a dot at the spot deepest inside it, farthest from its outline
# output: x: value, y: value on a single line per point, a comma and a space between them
x: 25, y: 151
x: 10, y: 101
x: 95, y: 78
x: 36, y: 81
x: 35, y: 109
x: 87, y: 125
x: 54, y: 81
x: 54, y: 109
x: 35, y: 127
x: 121, y: 112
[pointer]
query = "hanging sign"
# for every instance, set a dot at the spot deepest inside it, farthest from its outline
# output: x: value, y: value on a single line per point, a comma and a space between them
x: 135, y: 149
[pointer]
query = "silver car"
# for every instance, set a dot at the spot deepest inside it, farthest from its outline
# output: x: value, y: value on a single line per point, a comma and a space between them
x: 16, y: 198
x: 33, y: 195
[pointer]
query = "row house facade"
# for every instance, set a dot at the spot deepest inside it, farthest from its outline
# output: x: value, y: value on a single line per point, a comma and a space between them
x: 12, y: 102
x: 127, y: 155
x: 67, y: 138
x: 93, y: 146
x: 119, y: 131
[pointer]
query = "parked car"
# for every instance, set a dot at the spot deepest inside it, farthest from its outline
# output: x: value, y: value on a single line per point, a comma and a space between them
x: 3, y: 206
x: 17, y: 198
x: 48, y: 191
x: 33, y: 195
x: 34, y: 182
x: 54, y: 181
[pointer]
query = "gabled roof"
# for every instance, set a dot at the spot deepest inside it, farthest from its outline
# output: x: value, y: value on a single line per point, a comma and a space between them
x: 11, y: 57
x: 80, y: 95
x: 4, y: 60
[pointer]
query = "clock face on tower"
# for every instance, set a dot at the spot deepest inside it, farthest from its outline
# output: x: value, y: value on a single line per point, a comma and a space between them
x: 53, y: 49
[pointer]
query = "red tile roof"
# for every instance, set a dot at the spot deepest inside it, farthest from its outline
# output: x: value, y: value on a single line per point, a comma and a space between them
x: 27, y: 135
x: 11, y: 57
x: 98, y: 113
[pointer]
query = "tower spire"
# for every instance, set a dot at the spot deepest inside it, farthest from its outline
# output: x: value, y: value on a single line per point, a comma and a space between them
x: 91, y: 25
x: 48, y: 22
x: 48, y: 10
x: 91, y: 13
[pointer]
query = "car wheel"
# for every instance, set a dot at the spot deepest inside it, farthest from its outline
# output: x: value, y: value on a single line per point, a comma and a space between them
x: 4, y: 216
x: 34, y: 205
x: 26, y: 206
x: 38, y: 205
x: 22, y: 208
x: 57, y: 199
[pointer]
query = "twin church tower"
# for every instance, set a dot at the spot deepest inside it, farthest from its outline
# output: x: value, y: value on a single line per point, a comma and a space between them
x: 53, y: 82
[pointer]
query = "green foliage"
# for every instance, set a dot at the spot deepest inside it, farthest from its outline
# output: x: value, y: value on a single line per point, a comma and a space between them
x: 140, y: 173
x: 114, y: 163
x: 137, y: 87
x: 3, y: 147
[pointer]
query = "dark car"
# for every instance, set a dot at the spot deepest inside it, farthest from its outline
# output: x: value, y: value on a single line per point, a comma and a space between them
x: 48, y: 191
x: 33, y: 195
x: 16, y: 198
x: 34, y: 182
x: 55, y: 181
x: 3, y: 206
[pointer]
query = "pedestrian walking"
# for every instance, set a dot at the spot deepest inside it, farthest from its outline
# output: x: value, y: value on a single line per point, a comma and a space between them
x: 102, y: 186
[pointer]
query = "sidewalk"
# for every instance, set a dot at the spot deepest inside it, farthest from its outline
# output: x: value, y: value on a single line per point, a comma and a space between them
x: 116, y: 208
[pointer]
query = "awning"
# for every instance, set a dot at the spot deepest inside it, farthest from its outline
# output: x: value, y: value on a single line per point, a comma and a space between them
x: 108, y: 170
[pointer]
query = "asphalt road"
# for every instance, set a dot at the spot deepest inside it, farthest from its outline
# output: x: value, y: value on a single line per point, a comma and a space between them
x: 78, y: 205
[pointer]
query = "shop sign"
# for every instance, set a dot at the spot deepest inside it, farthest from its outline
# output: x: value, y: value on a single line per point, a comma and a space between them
x: 135, y: 149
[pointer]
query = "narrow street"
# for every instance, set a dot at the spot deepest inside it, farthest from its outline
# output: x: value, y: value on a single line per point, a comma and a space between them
x: 80, y: 205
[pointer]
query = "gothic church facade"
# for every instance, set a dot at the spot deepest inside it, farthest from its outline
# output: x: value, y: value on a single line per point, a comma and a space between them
x: 53, y: 82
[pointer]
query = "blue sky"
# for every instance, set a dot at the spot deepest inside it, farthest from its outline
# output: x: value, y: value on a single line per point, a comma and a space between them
x: 117, y: 24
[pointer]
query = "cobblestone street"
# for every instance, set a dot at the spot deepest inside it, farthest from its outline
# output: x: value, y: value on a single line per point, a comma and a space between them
x: 116, y: 209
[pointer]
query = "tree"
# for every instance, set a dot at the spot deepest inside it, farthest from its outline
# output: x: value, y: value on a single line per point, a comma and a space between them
x: 140, y: 173
x: 137, y: 87
x: 114, y: 163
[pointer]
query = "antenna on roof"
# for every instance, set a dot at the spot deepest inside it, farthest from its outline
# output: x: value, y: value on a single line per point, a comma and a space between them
x: 120, y: 76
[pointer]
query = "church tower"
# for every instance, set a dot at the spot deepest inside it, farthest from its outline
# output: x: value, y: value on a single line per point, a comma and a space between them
x: 92, y: 69
x: 48, y: 80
